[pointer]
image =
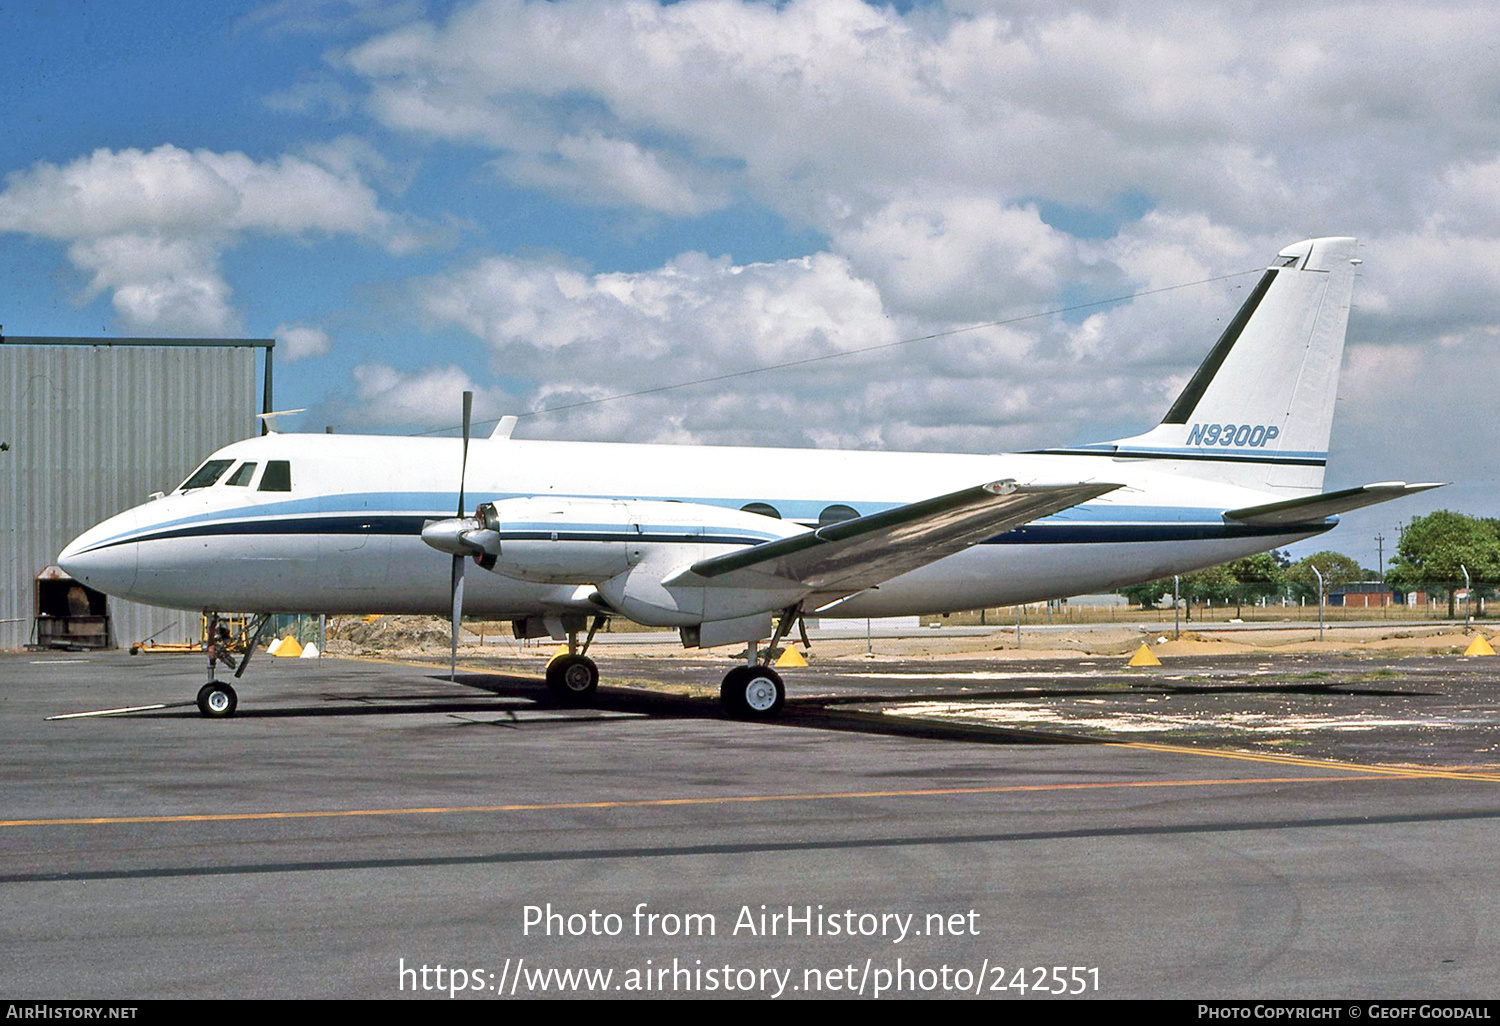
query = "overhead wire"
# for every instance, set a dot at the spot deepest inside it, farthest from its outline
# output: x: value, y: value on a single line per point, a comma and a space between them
x: 846, y: 353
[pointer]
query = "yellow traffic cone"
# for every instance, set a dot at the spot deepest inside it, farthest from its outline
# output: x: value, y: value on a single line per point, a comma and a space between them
x: 289, y: 647
x: 791, y: 657
x: 1144, y: 657
x: 1479, y: 647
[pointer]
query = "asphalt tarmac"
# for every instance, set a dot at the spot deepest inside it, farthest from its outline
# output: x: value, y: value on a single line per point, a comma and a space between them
x: 1250, y: 827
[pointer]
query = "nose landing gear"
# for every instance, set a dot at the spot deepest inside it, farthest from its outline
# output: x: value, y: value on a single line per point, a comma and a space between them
x: 217, y: 699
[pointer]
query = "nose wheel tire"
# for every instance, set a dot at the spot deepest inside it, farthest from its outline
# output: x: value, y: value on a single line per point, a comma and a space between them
x: 752, y: 692
x: 572, y: 678
x: 216, y: 700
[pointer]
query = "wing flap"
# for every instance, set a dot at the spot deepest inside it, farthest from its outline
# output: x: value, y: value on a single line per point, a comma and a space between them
x: 863, y: 552
x: 1312, y: 508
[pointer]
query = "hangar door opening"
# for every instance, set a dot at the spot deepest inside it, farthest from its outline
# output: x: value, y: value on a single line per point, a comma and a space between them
x: 69, y: 614
x: 90, y: 427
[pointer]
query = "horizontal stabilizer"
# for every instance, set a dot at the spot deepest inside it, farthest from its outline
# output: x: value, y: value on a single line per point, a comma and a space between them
x: 1312, y: 508
x: 863, y: 552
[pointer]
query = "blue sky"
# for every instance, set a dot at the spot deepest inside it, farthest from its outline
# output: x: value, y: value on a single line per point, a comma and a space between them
x: 548, y: 202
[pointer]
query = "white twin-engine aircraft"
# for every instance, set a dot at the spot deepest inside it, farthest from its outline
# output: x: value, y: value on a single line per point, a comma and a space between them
x: 732, y: 546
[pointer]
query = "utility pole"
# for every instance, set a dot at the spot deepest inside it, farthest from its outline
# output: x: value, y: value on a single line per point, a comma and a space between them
x: 1380, y: 555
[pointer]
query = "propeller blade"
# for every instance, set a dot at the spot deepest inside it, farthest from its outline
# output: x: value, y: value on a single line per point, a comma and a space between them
x: 458, y: 613
x: 463, y: 468
x: 459, y: 559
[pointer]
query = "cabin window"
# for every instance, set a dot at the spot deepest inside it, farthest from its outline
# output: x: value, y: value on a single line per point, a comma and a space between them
x: 837, y: 514
x: 765, y: 509
x: 206, y: 474
x: 278, y: 476
x: 242, y: 475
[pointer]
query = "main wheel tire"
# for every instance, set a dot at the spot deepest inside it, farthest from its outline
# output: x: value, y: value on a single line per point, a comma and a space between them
x: 752, y: 692
x: 572, y: 678
x: 217, y: 700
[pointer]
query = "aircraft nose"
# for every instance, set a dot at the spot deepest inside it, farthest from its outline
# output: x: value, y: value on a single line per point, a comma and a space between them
x: 99, y: 558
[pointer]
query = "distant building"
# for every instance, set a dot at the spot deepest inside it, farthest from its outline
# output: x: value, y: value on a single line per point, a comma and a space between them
x: 1363, y: 595
x: 90, y: 427
x: 1109, y: 599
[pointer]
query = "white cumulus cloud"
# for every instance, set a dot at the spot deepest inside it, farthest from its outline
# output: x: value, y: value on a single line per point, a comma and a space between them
x: 296, y: 342
x: 150, y: 226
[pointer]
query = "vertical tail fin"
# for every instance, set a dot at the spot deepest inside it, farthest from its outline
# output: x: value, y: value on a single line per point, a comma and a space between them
x: 1259, y: 410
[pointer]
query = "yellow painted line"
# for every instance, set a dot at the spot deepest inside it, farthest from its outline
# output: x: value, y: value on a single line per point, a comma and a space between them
x: 231, y: 817
x: 1408, y: 773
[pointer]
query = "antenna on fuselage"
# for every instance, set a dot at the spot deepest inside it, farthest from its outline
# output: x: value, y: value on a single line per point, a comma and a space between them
x: 270, y: 418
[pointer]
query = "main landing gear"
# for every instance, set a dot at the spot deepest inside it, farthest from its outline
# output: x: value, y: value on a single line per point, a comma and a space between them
x: 752, y: 692
x: 217, y: 699
x: 755, y: 691
x: 573, y: 678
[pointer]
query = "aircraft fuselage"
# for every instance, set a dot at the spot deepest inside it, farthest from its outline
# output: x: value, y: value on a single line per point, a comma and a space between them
x: 344, y: 535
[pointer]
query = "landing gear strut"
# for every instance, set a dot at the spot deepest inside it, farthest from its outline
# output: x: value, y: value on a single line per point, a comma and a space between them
x: 574, y: 677
x: 755, y: 691
x: 217, y: 699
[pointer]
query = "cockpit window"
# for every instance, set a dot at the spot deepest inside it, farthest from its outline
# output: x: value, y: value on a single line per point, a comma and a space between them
x: 278, y: 476
x: 206, y: 474
x: 242, y: 475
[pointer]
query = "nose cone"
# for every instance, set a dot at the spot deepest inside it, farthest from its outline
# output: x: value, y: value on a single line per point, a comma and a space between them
x: 101, y: 557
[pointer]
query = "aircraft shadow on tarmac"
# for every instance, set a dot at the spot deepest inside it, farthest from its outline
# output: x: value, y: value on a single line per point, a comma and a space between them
x: 512, y: 695
x: 528, y: 696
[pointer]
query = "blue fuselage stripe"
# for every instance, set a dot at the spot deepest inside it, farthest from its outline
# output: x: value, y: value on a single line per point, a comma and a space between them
x: 1196, y: 455
x: 1040, y: 533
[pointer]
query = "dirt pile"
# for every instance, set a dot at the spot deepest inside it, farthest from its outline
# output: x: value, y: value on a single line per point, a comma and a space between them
x: 366, y: 635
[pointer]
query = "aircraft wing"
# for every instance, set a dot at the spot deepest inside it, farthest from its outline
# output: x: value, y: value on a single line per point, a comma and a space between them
x: 863, y: 552
x: 1311, y: 508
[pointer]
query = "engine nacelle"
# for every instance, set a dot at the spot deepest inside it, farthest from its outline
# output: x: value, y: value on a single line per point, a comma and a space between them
x: 640, y: 593
x: 574, y: 540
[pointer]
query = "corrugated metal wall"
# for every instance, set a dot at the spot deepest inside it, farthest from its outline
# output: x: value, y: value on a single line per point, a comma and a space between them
x: 93, y: 430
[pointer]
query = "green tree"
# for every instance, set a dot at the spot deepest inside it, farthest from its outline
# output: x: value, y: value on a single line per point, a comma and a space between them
x: 1248, y: 579
x: 1262, y: 575
x: 1213, y: 584
x: 1433, y: 548
x: 1147, y: 595
x: 1335, y: 567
